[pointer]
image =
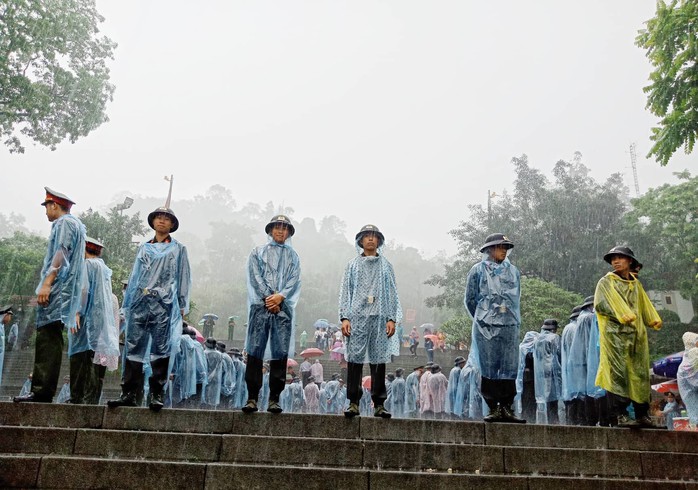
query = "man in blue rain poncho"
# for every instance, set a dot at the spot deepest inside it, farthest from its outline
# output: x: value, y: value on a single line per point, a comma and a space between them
x: 64, y: 394
x: 525, y: 378
x: 273, y: 288
x: 185, y: 369
x: 598, y: 394
x: 214, y: 361
x: 228, y: 381
x: 59, y: 294
x: 586, y: 324
x: 493, y: 297
x: 94, y: 343
x: 369, y: 309
x: 239, y: 396
x: 412, y: 393
x: 332, y: 395
x: 571, y: 387
x: 155, y: 301
x: 624, y: 312
x: 453, y: 380
x: 397, y: 388
x: 548, y: 371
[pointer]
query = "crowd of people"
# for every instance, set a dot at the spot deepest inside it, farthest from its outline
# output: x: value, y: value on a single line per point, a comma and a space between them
x: 595, y: 373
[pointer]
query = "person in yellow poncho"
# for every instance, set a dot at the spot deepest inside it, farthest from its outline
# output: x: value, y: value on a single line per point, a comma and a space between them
x: 624, y: 311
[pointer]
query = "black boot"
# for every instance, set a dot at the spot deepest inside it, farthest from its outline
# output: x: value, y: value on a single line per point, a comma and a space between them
x: 157, y: 383
x: 277, y: 382
x: 133, y: 377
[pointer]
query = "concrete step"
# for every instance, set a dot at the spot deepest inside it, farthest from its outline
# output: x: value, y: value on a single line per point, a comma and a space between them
x: 87, y: 472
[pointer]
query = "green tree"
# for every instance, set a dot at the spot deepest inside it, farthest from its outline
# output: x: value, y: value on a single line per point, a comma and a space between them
x: 116, y: 232
x: 662, y: 227
x: 672, y: 48
x: 541, y: 300
x: 54, y: 82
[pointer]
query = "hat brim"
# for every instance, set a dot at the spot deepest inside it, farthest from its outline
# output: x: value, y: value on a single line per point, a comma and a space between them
x: 609, y: 256
x: 175, y: 221
x: 270, y: 225
x: 360, y: 235
x: 509, y: 244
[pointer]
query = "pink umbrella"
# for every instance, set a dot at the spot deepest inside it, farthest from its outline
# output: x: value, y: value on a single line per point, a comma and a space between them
x: 670, y: 385
x: 199, y: 337
x: 291, y: 363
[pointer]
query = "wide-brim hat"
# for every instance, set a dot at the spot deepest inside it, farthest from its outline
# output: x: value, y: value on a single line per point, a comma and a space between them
x: 458, y: 360
x: 435, y: 368
x: 6, y: 309
x: 550, y: 324
x: 93, y: 244
x: 167, y: 211
x: 496, y: 239
x: 418, y: 367
x: 575, y: 312
x: 370, y: 229
x: 57, y: 197
x: 211, y: 343
x: 621, y: 250
x: 588, y: 301
x: 280, y: 219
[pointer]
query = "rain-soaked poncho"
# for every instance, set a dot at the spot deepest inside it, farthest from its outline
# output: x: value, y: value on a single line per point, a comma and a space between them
x: 366, y: 403
x: 525, y: 348
x: 398, y: 397
x: 453, y: 379
x: 97, y: 331
x: 593, y: 355
x: 687, y: 376
x: 565, y: 345
x: 312, y: 398
x: 424, y: 398
x: 624, y: 365
x: 229, y: 375
x: 437, y: 386
x: 189, y: 367
x: 411, y: 393
x: 157, y: 290
x: 26, y: 387
x: 492, y: 297
x: 64, y: 394
x: 547, y: 368
x: 576, y: 355
x: 240, y: 394
x: 272, y: 268
x: 66, y: 254
x: 292, y: 399
x: 332, y: 403
x: 212, y: 391
x: 368, y: 299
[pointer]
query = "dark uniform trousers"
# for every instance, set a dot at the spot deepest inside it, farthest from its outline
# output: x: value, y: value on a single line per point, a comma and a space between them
x: 82, y: 376
x: 498, y: 391
x: 378, y: 390
x: 254, y: 377
x: 47, y: 360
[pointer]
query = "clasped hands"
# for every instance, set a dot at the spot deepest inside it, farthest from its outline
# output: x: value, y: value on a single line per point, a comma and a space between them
x: 273, y: 303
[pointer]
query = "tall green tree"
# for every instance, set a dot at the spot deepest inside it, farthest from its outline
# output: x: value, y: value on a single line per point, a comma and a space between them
x: 21, y: 256
x: 671, y: 41
x: 662, y: 227
x: 54, y: 81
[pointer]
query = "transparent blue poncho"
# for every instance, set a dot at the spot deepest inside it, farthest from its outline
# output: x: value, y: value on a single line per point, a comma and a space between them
x: 398, y: 390
x: 66, y: 254
x: 158, y: 288
x: 189, y: 364
x: 240, y: 389
x: 525, y: 348
x: 228, y: 382
x: 98, y: 331
x: 272, y: 268
x: 492, y: 297
x: 332, y: 402
x: 469, y: 402
x: 452, y: 391
x: 578, y: 353
x: 368, y: 299
x: 411, y: 392
x: 593, y: 357
x: 565, y: 346
x: 211, y: 394
x: 687, y: 375
x: 547, y: 367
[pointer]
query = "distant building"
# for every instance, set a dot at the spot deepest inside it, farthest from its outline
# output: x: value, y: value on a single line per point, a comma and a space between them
x: 672, y: 301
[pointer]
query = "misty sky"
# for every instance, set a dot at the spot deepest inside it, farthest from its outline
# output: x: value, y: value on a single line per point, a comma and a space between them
x: 397, y: 113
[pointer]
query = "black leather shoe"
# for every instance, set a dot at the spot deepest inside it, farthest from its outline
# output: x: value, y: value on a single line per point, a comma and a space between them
x: 508, y: 416
x: 274, y: 407
x: 625, y: 421
x: 495, y: 415
x: 352, y: 411
x: 250, y: 406
x: 156, y: 403
x: 127, y: 400
x: 646, y: 423
x: 381, y: 412
x: 31, y: 398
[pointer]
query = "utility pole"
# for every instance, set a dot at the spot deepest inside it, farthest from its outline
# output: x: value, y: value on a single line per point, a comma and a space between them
x: 633, y: 162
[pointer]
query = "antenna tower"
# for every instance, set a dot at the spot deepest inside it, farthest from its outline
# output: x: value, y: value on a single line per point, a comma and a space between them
x: 633, y: 162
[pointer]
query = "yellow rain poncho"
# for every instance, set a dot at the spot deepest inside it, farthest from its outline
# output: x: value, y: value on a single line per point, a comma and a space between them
x: 624, y: 311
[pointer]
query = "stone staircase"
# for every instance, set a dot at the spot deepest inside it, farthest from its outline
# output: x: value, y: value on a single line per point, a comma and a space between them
x: 89, y: 446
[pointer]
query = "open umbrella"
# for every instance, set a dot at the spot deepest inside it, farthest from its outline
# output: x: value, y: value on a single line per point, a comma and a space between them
x: 668, y: 366
x: 670, y: 385
x: 340, y: 350
x: 291, y: 363
x: 366, y: 382
x: 212, y: 316
x: 430, y: 326
x: 312, y: 352
x: 321, y: 323
x: 431, y: 337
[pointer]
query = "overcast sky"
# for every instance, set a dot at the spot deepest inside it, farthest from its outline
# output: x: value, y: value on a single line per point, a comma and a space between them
x: 397, y: 113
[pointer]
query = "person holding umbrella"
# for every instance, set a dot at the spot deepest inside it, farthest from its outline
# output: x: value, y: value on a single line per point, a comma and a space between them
x: 624, y: 312
x: 493, y: 299
x: 369, y: 309
x: 273, y: 289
